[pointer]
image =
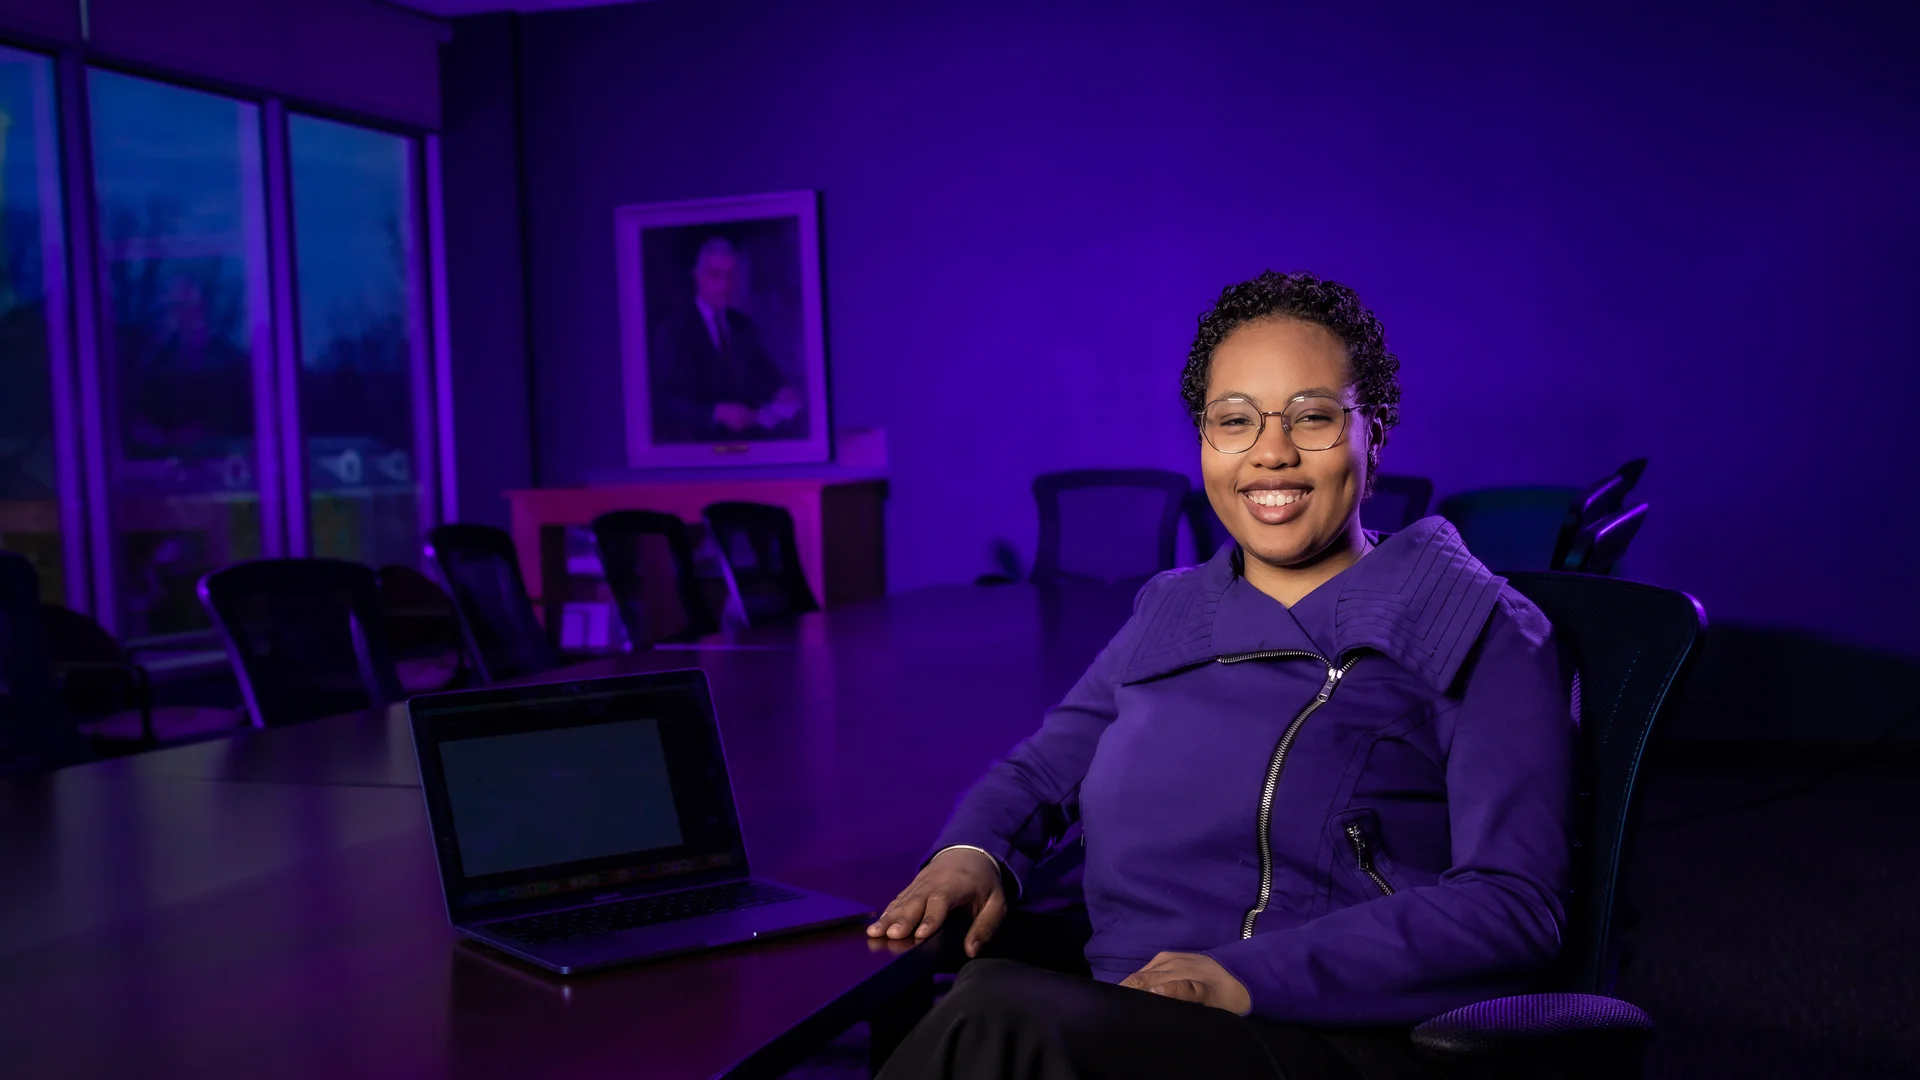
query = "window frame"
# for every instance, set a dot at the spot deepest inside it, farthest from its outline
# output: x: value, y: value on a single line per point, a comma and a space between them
x: 78, y: 325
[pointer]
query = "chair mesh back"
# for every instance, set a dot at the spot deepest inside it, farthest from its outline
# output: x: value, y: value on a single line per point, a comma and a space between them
x: 480, y: 570
x: 1513, y: 528
x: 1107, y: 524
x: 761, y: 559
x: 1628, y: 644
x: 648, y: 560
x: 1396, y: 502
x: 305, y: 636
x: 1110, y: 533
x: 35, y: 732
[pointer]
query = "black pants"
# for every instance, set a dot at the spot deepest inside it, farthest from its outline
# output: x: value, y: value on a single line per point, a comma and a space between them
x: 1005, y: 1020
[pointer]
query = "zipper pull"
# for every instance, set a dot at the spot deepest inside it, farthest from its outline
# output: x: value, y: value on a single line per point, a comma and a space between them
x: 1326, y: 688
x: 1360, y: 852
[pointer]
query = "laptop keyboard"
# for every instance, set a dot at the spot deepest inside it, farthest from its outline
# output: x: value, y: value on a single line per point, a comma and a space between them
x: 642, y: 911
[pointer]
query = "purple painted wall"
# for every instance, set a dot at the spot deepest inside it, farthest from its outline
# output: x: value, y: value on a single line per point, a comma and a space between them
x: 1592, y: 236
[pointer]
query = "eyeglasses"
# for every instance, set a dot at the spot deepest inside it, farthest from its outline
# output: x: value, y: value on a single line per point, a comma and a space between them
x: 1310, y: 422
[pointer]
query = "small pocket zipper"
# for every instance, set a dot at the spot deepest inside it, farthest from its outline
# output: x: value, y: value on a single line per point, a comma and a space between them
x: 1363, y: 854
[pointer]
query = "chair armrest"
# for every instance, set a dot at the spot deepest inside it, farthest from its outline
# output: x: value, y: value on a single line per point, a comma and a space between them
x: 136, y: 678
x: 1583, y: 1034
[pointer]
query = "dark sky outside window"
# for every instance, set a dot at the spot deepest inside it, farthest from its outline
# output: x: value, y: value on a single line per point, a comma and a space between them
x: 354, y: 231
x: 178, y: 183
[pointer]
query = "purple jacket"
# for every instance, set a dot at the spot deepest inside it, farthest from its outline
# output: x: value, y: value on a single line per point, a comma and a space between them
x: 1360, y: 806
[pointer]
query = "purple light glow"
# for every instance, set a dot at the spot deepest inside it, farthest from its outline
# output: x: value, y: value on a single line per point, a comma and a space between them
x: 1615, y: 236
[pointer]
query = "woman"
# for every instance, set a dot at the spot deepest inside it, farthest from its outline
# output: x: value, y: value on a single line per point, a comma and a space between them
x: 1325, y: 786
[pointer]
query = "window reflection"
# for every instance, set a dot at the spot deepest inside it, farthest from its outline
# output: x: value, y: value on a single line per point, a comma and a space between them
x: 29, y: 225
x: 356, y: 232
x: 178, y: 189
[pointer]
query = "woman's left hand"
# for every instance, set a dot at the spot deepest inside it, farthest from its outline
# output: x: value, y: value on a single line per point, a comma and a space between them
x: 1192, y: 977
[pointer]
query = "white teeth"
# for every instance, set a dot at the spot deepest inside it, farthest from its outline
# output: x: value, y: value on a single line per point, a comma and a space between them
x: 1276, y: 498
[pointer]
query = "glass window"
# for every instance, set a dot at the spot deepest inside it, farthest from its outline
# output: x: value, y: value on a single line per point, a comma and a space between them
x: 356, y: 242
x: 181, y: 228
x: 30, y: 231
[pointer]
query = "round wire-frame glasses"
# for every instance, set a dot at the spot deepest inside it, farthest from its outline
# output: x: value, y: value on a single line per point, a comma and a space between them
x: 1233, y: 425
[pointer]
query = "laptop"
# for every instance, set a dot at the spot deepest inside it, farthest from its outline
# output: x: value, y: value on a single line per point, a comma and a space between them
x: 584, y: 824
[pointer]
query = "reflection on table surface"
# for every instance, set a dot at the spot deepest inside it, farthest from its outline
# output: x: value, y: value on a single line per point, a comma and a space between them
x: 272, y: 897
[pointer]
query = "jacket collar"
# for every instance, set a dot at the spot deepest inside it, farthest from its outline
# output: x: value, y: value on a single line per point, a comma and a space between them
x: 1419, y: 598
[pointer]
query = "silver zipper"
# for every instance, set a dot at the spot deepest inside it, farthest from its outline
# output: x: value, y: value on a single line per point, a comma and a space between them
x: 1358, y: 837
x: 1277, y: 763
x: 1270, y: 654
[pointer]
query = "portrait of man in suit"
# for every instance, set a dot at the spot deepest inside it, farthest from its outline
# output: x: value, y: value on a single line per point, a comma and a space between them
x: 722, y: 331
x: 711, y: 377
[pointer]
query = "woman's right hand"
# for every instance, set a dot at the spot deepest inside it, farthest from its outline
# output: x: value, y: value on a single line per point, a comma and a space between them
x: 956, y: 878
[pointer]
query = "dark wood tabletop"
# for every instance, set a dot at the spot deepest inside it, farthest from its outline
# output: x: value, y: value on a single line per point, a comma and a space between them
x: 267, y: 904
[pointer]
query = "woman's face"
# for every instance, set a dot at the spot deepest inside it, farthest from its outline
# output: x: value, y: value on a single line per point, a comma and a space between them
x: 1288, y: 508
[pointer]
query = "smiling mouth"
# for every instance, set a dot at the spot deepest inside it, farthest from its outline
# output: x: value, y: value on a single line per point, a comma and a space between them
x: 1277, y: 506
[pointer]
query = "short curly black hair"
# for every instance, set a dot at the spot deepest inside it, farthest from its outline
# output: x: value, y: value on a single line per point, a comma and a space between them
x: 1373, y: 371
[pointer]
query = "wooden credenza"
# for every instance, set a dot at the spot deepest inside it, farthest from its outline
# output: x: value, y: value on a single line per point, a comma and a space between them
x: 839, y: 524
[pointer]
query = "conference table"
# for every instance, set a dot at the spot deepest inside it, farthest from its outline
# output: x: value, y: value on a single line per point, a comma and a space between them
x: 268, y: 903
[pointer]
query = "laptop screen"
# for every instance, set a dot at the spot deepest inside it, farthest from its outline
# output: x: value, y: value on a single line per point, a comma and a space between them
x: 590, y: 787
x: 562, y: 796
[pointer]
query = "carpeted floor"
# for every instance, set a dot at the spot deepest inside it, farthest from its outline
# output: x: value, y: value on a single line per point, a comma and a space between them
x: 1776, y: 934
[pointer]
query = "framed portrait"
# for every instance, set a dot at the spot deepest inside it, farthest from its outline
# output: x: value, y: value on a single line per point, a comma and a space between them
x: 723, y: 351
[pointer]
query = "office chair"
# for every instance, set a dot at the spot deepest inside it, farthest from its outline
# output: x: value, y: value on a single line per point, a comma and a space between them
x: 423, y: 631
x: 35, y: 732
x: 1107, y: 525
x: 1510, y: 528
x: 305, y: 636
x: 110, y: 697
x: 761, y: 561
x: 623, y: 538
x: 1396, y: 502
x: 1630, y: 644
x: 1203, y: 525
x: 1602, y: 500
x: 481, y: 571
x: 1603, y: 543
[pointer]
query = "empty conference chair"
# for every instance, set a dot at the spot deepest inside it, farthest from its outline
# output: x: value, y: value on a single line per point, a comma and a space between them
x: 481, y: 572
x: 110, y: 697
x: 35, y: 732
x: 1396, y: 502
x: 761, y: 560
x: 306, y: 637
x: 632, y: 542
x: 1600, y: 547
x: 423, y: 630
x: 1107, y: 524
x: 1604, y: 499
x: 1510, y: 528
